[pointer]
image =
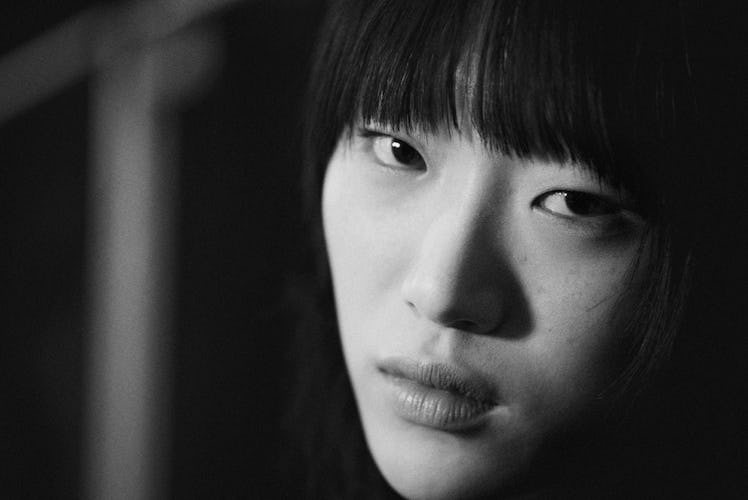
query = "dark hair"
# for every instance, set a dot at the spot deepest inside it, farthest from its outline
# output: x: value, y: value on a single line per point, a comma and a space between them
x: 610, y: 86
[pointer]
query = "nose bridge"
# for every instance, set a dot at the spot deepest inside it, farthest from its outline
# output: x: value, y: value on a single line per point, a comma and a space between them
x: 453, y: 279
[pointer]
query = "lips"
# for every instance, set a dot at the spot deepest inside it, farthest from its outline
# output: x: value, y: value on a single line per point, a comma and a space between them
x: 437, y: 395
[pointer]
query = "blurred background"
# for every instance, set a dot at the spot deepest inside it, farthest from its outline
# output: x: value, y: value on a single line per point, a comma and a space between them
x: 151, y: 215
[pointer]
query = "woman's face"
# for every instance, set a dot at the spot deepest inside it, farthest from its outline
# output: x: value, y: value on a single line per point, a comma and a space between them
x: 481, y: 300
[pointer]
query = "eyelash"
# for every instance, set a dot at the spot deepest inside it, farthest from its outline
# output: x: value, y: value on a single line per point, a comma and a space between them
x: 375, y: 137
x: 600, y: 205
x: 610, y: 216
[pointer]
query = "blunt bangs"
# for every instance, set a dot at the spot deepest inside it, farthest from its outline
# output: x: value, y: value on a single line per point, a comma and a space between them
x: 567, y: 81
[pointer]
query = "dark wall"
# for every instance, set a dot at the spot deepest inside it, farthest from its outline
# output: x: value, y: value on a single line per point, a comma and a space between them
x: 42, y: 214
x: 240, y: 239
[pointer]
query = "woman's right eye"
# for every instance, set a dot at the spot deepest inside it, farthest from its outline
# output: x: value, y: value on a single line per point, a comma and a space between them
x: 395, y: 153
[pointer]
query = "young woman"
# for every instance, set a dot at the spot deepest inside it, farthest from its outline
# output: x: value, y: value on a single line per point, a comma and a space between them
x: 512, y: 202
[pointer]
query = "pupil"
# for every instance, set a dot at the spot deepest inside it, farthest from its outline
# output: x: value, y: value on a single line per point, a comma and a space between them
x: 583, y: 204
x: 402, y: 152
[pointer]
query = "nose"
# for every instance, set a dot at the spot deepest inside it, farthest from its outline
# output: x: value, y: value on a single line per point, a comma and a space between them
x: 455, y: 279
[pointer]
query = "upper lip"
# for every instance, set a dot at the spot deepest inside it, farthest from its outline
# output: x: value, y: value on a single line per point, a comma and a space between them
x: 443, y: 376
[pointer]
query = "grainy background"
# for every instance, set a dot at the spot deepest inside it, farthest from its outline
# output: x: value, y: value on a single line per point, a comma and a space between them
x: 237, y: 235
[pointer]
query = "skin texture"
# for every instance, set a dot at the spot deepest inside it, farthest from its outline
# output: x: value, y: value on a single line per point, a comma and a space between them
x: 472, y: 258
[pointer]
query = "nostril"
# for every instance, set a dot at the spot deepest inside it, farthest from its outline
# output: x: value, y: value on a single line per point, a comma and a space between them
x: 449, y: 317
x: 464, y: 324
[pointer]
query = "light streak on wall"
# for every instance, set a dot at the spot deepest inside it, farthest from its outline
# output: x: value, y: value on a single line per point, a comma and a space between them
x: 144, y: 58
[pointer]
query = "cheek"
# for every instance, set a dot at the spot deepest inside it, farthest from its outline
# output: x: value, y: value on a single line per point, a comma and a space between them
x: 576, y: 345
x: 366, y: 254
x: 570, y: 362
x: 358, y: 230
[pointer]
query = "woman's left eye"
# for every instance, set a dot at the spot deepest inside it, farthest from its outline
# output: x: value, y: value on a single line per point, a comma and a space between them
x: 576, y: 204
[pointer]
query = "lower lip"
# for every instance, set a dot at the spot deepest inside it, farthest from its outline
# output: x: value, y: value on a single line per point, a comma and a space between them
x: 439, y: 409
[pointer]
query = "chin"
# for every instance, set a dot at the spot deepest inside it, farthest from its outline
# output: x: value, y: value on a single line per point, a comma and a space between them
x: 435, y: 482
x: 434, y: 465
